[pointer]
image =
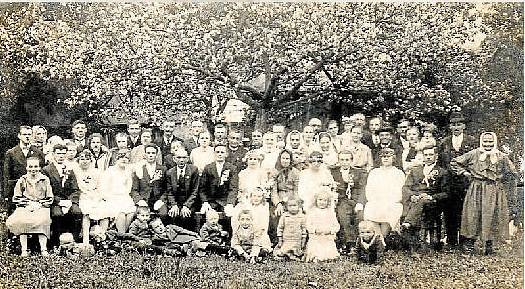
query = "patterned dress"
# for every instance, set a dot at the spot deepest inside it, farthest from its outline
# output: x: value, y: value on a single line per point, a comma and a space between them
x: 31, y: 218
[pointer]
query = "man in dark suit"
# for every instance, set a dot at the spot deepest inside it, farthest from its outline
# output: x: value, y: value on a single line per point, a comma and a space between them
x: 235, y: 151
x: 219, y: 182
x: 192, y: 142
x: 15, y: 162
x: 164, y: 142
x: 65, y: 212
x: 79, y: 130
x: 372, y: 139
x: 220, y: 135
x: 218, y: 187
x: 450, y: 147
x: 424, y: 193
x: 134, y: 131
x: 351, y: 184
x: 149, y: 184
x: 385, y: 141
x: 182, y: 182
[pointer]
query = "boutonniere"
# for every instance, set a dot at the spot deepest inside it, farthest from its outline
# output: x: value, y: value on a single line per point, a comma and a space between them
x: 156, y: 176
x: 87, y: 179
x: 431, y: 177
x: 225, y: 176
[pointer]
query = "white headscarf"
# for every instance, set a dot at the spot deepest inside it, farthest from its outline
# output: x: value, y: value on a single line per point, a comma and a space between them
x: 493, y: 153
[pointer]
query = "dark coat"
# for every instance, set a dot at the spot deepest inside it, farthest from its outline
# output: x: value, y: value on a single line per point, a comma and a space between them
x: 213, y: 192
x: 438, y: 187
x: 63, y: 190
x: 398, y: 150
x: 358, y: 191
x: 185, y: 192
x: 447, y: 151
x: 235, y: 157
x: 150, y: 192
x: 165, y: 148
x: 15, y: 166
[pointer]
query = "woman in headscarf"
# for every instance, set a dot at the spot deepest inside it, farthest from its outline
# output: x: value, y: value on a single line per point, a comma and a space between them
x: 485, y: 216
x: 327, y: 148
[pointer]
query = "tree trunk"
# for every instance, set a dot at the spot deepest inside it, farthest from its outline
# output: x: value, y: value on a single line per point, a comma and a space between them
x: 261, y: 119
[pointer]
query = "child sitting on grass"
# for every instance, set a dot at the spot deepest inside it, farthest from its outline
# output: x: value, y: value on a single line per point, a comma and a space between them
x: 369, y: 245
x: 33, y: 197
x: 246, y: 239
x: 212, y: 237
x: 322, y: 226
x: 291, y: 231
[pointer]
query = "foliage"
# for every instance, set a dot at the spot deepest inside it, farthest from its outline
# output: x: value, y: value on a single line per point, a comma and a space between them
x: 159, y: 60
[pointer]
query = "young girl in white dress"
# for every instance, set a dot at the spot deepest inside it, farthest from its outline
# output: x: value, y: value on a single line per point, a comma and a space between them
x: 322, y: 226
x: 33, y: 196
x: 115, y: 185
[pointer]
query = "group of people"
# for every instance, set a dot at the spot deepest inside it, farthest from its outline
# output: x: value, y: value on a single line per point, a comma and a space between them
x: 309, y: 194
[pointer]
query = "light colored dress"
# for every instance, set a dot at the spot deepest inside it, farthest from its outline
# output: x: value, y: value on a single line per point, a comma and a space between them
x: 200, y: 157
x: 261, y: 220
x: 383, y: 193
x: 115, y: 187
x: 31, y: 219
x: 311, y: 182
x: 91, y: 200
x: 249, y: 181
x: 320, y: 246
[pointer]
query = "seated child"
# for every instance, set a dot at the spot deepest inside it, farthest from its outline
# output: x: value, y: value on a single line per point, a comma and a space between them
x: 140, y: 227
x: 369, y: 245
x: 213, y: 237
x: 69, y: 248
x: 246, y: 240
x: 33, y: 196
x: 322, y: 226
x: 291, y: 231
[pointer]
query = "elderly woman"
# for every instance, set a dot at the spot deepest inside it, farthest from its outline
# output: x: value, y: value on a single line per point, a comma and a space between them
x: 485, y: 216
x: 383, y: 193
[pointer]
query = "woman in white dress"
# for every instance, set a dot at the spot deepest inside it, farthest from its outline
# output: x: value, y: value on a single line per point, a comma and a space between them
x: 92, y: 203
x: 313, y: 179
x: 252, y: 177
x: 115, y: 185
x: 204, y: 154
x: 383, y: 194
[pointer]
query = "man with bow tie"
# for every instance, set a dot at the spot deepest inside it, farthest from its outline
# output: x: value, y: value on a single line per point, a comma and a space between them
x: 149, y: 183
x: 15, y: 164
x: 450, y: 147
x: 182, y: 182
x: 425, y: 190
x: 372, y: 139
x: 351, y: 184
x: 65, y: 213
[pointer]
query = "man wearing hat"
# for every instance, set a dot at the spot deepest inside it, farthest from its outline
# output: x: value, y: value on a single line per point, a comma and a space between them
x: 385, y: 141
x: 450, y: 147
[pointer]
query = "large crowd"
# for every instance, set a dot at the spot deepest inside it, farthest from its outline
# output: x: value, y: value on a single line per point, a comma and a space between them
x: 308, y: 195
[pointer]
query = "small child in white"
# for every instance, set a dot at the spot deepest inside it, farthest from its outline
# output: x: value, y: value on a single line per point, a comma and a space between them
x: 322, y: 226
x: 369, y: 245
x: 33, y: 197
x: 291, y: 231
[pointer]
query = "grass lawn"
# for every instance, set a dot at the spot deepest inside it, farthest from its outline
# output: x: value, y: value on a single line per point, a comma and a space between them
x: 132, y: 270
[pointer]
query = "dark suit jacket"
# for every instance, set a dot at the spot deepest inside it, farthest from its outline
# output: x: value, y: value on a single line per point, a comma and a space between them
x: 211, y: 191
x: 415, y: 185
x: 447, y: 151
x: 68, y: 191
x: 235, y: 157
x: 398, y: 150
x: 132, y: 144
x: 150, y: 192
x: 168, y: 161
x: 186, y: 194
x: 15, y: 166
x: 358, y: 191
x: 165, y: 148
x: 190, y: 144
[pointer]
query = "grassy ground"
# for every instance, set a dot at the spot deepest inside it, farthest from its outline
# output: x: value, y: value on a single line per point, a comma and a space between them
x: 132, y: 270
